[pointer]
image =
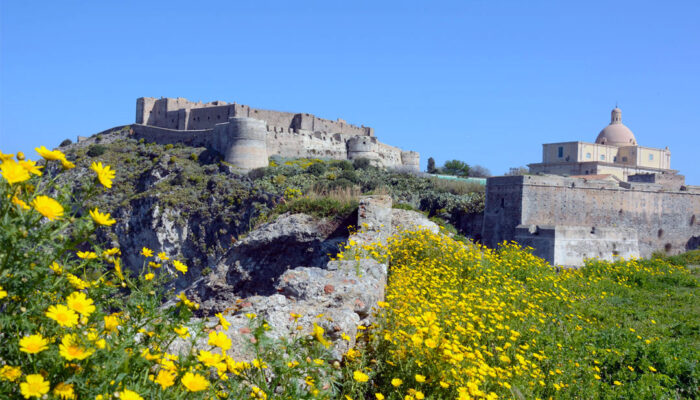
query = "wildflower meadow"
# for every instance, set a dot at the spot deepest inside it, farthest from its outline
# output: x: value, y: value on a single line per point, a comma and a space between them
x: 460, y: 321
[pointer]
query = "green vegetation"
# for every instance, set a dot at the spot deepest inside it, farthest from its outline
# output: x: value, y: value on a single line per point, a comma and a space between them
x: 461, y: 321
x: 691, y: 257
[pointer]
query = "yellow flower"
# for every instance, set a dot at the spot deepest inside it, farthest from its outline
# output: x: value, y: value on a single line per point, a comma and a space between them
x: 420, y: 378
x: 48, y: 207
x: 20, y: 203
x: 182, y: 332
x: 396, y: 382
x: 111, y: 252
x: 318, y: 334
x: 360, y: 376
x: 63, y: 315
x: 3, y: 293
x: 127, y: 394
x: 80, y: 303
x: 77, y: 282
x: 6, y: 157
x: 379, y: 396
x: 20, y: 155
x: 31, y: 167
x: 71, y: 350
x: 208, y: 358
x: 86, y: 255
x: 163, y: 257
x: 34, y: 386
x: 104, y: 174
x: 153, y: 264
x: 617, y: 383
x: 10, y: 373
x: 146, y: 252
x: 148, y: 276
x: 33, y: 344
x: 56, y: 268
x: 222, y: 321
x: 101, y: 219
x: 64, y: 391
x: 50, y: 154
x: 194, y: 382
x: 219, y: 339
x: 165, y: 378
x: 179, y: 266
x: 652, y: 369
x: 67, y: 164
x: 13, y: 172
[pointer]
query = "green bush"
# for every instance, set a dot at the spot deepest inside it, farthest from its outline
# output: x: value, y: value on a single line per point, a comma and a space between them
x: 361, y: 163
x: 96, y: 150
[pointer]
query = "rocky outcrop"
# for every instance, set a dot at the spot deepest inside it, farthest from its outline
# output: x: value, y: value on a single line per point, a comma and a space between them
x: 283, y: 267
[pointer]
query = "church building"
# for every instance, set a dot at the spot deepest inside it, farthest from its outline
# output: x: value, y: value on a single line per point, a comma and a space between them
x: 615, y: 152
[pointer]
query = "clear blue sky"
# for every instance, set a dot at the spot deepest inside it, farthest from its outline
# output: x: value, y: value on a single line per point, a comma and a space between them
x: 486, y: 82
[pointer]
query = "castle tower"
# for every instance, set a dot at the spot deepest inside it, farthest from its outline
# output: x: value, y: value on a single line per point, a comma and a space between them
x: 363, y: 147
x: 242, y: 141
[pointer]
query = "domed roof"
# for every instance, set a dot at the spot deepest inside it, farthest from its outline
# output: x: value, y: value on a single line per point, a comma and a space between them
x: 616, y: 134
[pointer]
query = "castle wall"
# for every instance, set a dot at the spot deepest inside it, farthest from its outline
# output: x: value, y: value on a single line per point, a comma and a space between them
x: 664, y: 220
x: 219, y: 126
x: 306, y: 144
x: 571, y: 245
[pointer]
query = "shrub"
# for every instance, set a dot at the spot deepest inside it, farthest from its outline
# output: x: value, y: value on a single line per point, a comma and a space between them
x: 317, y: 169
x: 361, y: 163
x: 65, y: 143
x: 96, y: 150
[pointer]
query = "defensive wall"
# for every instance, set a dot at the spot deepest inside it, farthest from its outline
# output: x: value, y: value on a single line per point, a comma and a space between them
x: 567, y: 219
x: 246, y: 137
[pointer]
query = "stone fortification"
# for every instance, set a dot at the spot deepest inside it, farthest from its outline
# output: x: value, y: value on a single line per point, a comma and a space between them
x: 231, y: 130
x: 567, y: 219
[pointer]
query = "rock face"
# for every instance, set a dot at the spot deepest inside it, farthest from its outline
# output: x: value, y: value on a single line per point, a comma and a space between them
x: 253, y: 265
x: 283, y: 267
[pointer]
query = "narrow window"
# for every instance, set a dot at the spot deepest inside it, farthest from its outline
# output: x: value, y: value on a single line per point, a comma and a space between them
x: 615, y: 159
x: 561, y: 152
x: 602, y: 157
x: 588, y: 155
x: 624, y: 159
x: 651, y: 157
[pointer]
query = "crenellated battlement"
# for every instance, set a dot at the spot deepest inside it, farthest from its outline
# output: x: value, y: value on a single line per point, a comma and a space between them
x: 247, y: 136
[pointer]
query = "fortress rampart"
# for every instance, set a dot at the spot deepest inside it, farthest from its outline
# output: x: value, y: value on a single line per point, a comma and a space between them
x: 230, y: 130
x: 569, y: 219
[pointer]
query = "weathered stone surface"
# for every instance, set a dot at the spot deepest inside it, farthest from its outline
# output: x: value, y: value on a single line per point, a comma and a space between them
x: 282, y: 268
x: 254, y: 264
x: 664, y: 220
x: 411, y: 220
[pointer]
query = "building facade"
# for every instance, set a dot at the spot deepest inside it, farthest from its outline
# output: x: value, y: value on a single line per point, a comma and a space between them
x: 615, y: 152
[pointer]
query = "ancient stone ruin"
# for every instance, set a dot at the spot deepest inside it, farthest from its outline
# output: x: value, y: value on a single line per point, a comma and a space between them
x: 246, y: 137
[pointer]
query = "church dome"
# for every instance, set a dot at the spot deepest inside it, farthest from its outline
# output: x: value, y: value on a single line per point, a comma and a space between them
x: 616, y: 134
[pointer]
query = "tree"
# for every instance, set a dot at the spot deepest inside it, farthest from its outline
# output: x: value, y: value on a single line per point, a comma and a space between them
x: 432, y: 169
x: 478, y: 171
x: 455, y: 167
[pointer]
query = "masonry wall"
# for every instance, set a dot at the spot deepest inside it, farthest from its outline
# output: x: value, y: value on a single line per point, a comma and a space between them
x: 664, y: 220
x: 306, y: 144
x: 180, y: 113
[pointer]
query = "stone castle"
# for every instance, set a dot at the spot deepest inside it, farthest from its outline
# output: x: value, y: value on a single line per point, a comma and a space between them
x: 247, y: 136
x: 604, y: 199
